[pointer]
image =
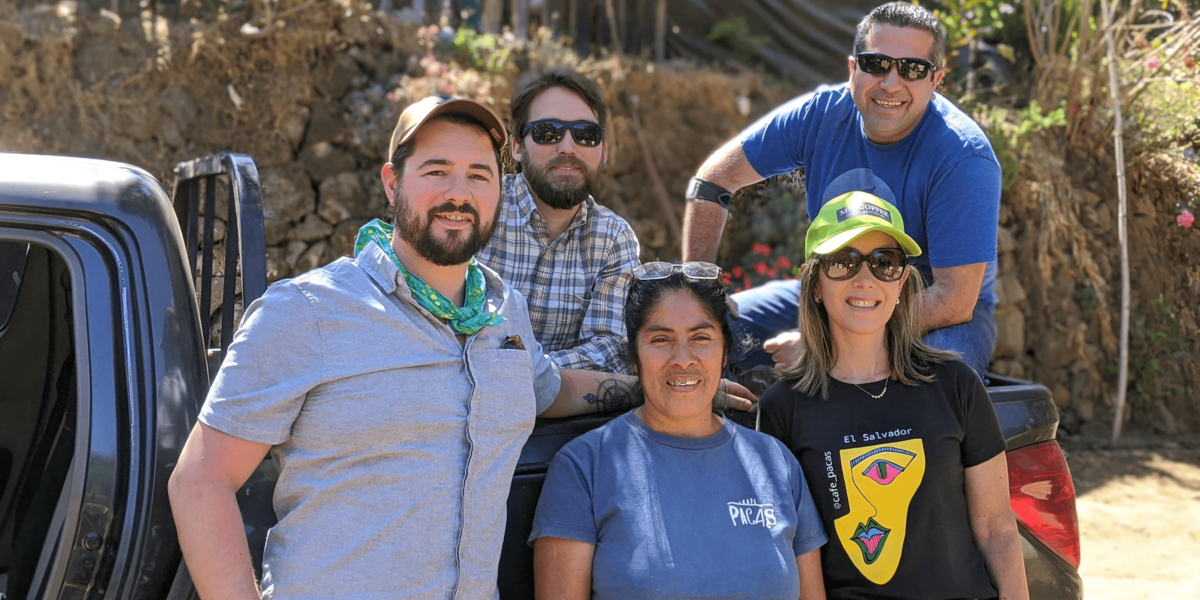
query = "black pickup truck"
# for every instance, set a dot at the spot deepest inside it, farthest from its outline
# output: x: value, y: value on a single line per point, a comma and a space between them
x: 105, y: 358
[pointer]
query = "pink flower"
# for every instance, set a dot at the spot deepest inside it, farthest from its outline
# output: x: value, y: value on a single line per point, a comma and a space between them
x: 760, y: 248
x: 736, y: 272
x: 783, y: 263
x: 1185, y: 219
x: 760, y: 268
x: 1152, y: 62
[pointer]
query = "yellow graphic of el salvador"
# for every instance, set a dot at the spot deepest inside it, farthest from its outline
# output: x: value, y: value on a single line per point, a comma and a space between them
x: 880, y: 483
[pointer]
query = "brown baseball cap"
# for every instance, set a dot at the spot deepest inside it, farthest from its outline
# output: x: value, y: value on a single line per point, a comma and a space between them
x: 419, y: 113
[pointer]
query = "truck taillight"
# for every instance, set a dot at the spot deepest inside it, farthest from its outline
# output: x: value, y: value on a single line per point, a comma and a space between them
x: 1043, y: 496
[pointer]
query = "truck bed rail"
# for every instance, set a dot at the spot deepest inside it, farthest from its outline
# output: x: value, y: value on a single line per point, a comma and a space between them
x: 245, y: 248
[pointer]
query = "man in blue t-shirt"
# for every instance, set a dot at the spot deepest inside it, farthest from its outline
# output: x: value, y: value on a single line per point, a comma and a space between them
x: 889, y: 133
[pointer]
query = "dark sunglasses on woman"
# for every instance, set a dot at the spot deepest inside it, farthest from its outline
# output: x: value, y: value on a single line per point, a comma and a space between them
x: 874, y: 63
x: 886, y: 264
x: 551, y: 131
x: 661, y: 270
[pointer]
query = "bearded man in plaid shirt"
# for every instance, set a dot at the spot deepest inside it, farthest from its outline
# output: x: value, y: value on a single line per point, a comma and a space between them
x: 571, y: 258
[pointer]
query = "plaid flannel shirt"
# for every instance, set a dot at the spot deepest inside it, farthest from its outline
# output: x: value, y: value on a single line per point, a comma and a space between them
x: 575, y: 285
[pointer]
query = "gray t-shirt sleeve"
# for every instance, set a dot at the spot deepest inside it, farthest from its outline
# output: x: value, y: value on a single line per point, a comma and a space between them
x: 275, y: 359
x: 565, y: 509
x: 810, y: 532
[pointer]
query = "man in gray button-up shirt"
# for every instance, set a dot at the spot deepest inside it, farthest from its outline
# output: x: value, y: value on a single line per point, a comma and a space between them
x: 394, y: 390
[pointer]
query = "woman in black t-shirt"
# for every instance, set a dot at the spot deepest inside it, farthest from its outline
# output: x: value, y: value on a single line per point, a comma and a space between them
x: 898, y: 441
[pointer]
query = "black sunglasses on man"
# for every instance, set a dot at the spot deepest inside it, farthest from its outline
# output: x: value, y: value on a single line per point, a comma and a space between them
x: 551, y: 131
x: 874, y: 63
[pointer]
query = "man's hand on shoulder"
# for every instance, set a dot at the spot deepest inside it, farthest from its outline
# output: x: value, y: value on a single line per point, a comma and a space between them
x: 736, y: 396
x: 784, y: 349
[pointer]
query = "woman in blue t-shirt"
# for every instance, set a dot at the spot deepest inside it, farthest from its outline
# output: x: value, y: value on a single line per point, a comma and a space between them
x: 671, y: 500
x: 899, y: 441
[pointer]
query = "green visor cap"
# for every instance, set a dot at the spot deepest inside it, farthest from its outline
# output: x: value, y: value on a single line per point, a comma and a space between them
x: 851, y: 215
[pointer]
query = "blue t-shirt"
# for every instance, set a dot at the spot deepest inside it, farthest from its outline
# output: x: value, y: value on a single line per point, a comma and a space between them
x: 943, y: 176
x: 718, y: 517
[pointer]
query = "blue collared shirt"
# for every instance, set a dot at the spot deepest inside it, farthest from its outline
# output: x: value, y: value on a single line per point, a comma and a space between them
x: 395, y: 440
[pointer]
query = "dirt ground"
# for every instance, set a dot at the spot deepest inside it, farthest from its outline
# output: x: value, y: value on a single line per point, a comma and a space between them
x: 1137, y: 520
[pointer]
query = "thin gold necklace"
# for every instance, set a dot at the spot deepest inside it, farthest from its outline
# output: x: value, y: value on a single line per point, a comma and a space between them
x: 885, y: 384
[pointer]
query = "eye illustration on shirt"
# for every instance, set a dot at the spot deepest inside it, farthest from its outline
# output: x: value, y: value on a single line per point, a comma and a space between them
x: 880, y: 484
x: 883, y: 471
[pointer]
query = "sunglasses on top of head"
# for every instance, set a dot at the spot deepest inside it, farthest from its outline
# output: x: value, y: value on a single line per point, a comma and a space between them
x: 874, y: 63
x: 695, y: 270
x: 886, y: 264
x: 551, y: 131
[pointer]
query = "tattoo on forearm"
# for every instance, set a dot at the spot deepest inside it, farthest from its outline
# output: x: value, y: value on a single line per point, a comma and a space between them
x: 614, y: 394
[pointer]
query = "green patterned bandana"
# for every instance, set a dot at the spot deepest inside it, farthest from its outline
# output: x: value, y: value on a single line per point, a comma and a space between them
x: 467, y: 320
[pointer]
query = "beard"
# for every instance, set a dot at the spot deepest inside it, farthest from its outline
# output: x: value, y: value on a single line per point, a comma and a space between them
x: 557, y: 195
x: 457, y: 248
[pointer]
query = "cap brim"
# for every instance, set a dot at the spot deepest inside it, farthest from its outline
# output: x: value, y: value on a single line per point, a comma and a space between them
x: 459, y: 106
x: 467, y: 107
x: 839, y: 241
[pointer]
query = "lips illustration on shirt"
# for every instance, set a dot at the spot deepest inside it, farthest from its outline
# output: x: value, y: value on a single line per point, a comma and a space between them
x: 870, y: 537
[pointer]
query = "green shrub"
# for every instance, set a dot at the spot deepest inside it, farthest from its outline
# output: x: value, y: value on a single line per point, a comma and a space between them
x: 1010, y: 130
x: 1157, y: 347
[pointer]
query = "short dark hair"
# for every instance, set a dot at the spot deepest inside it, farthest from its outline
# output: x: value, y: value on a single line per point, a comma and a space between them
x: 405, y: 150
x: 903, y: 14
x: 534, y: 82
x: 644, y: 295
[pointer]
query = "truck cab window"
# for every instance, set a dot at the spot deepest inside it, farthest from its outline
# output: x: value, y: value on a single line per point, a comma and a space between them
x: 38, y: 406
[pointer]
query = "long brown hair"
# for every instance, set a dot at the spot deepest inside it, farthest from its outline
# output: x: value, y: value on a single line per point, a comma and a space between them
x: 908, y: 356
